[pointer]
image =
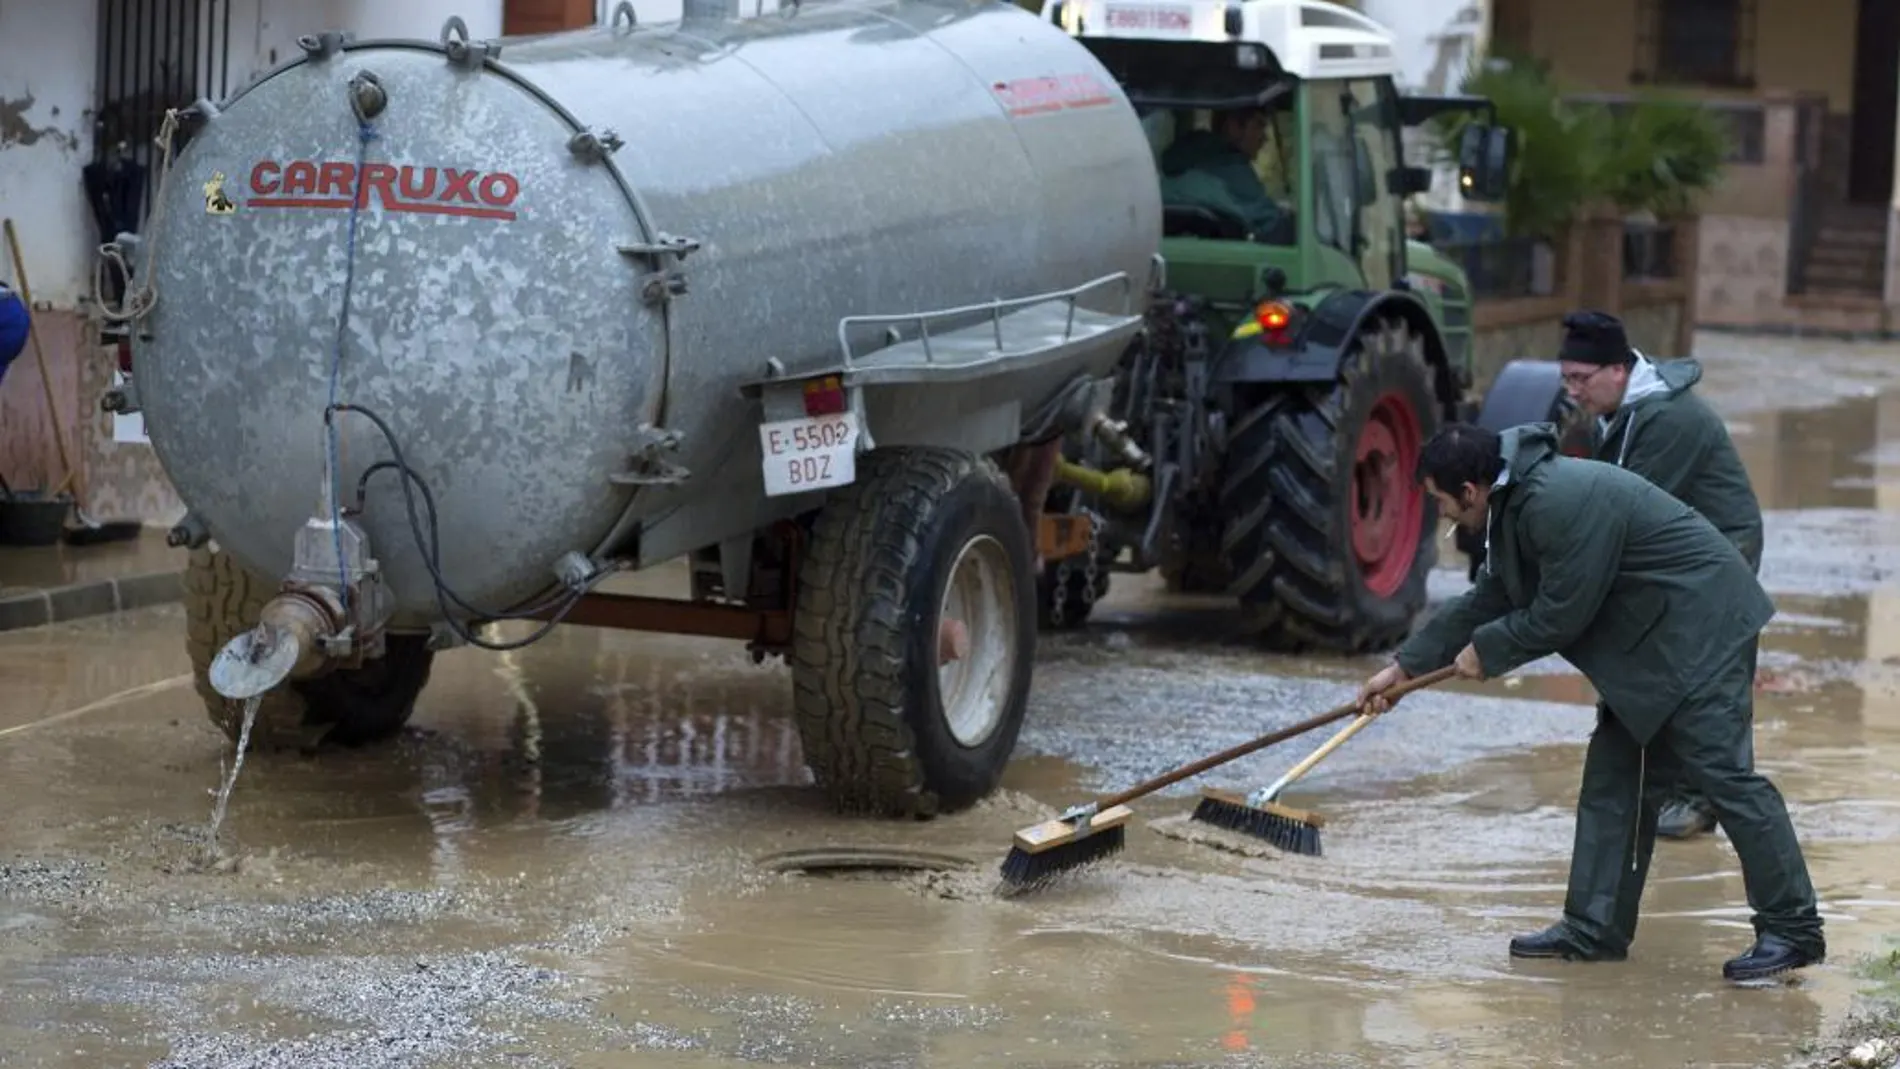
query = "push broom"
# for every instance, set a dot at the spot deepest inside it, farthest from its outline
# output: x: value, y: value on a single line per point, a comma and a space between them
x: 1095, y: 830
x: 1260, y: 815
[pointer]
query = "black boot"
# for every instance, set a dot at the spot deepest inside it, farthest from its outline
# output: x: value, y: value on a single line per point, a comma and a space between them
x: 1685, y: 818
x: 1770, y: 956
x: 1558, y: 941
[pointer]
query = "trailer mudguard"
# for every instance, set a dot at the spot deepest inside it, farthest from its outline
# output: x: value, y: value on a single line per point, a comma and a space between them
x: 1525, y: 391
x: 1324, y: 337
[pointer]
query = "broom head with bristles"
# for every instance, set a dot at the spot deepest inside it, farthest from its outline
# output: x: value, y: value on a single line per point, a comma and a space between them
x: 1292, y: 830
x: 1046, y: 850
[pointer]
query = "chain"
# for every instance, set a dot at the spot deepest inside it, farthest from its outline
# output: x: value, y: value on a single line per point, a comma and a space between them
x: 1064, y: 589
x: 142, y: 295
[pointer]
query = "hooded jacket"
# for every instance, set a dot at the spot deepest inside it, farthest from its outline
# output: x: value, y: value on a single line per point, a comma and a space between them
x: 1586, y: 560
x: 1670, y: 436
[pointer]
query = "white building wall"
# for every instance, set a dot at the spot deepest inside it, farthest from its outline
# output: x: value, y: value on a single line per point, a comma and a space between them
x: 49, y: 54
x: 47, y: 76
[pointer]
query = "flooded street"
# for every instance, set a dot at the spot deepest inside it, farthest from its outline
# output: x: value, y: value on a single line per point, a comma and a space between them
x: 588, y: 853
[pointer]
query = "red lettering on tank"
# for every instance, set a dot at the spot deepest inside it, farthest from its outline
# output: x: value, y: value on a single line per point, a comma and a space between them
x: 461, y: 187
x: 300, y: 177
x: 1046, y: 94
x: 338, y: 179
x: 500, y: 189
x: 377, y: 178
x: 413, y: 190
x: 423, y: 190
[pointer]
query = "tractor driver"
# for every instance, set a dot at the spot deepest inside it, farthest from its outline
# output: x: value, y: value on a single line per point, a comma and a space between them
x: 1214, y: 169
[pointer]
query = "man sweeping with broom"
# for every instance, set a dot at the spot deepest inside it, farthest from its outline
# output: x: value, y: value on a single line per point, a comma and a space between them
x: 1660, y: 612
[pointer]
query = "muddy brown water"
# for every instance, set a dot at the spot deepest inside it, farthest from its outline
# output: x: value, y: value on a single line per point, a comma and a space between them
x: 561, y: 864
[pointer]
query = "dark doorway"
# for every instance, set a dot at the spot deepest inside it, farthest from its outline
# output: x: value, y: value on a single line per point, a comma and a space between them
x: 1876, y: 86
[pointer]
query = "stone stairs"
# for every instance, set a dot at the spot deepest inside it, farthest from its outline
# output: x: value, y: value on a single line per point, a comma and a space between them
x: 1848, y: 255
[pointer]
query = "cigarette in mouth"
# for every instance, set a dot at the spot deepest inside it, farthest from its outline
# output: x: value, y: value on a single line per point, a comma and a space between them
x: 1449, y: 531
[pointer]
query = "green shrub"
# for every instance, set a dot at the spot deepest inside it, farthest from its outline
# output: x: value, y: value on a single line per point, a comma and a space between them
x: 1654, y: 155
x: 1664, y: 153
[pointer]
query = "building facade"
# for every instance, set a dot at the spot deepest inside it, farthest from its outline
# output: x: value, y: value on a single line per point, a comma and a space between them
x: 1804, y: 233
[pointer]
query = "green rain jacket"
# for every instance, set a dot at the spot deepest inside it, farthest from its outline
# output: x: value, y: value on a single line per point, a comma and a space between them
x: 1201, y: 168
x: 1583, y: 559
x: 1671, y: 437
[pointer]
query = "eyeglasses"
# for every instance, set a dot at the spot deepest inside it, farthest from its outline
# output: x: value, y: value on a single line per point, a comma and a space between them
x: 1578, y: 378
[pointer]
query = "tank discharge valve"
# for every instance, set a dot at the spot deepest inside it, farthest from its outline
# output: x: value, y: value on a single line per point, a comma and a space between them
x: 312, y: 625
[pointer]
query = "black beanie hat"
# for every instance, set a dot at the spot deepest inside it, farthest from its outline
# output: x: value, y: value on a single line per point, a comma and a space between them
x: 1594, y: 338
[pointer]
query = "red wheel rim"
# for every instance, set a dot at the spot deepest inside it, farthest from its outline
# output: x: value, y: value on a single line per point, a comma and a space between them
x: 1387, y: 505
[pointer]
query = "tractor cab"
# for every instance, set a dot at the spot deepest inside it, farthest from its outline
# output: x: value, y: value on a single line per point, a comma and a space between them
x: 1276, y: 129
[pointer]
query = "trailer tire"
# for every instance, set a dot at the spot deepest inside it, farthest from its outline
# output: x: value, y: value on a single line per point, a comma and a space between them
x: 868, y: 690
x: 224, y: 599
x: 1328, y: 536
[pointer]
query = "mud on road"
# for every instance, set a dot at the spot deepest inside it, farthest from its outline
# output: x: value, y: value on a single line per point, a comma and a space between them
x: 579, y: 856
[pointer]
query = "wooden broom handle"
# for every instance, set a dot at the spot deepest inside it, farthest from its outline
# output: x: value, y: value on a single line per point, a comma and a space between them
x: 1269, y: 739
x: 1339, y: 739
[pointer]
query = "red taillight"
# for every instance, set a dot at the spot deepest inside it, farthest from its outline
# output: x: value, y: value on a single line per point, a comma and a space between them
x: 824, y: 397
x: 1275, y: 319
x: 125, y: 356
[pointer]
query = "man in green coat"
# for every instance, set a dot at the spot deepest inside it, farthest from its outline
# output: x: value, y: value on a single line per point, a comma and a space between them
x: 1214, y: 169
x: 1649, y: 421
x: 1660, y: 613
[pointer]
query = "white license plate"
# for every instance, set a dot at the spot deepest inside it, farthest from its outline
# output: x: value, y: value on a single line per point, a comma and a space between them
x: 809, y: 454
x: 1165, y: 17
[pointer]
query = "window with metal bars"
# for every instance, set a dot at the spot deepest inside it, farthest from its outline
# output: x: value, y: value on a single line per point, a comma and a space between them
x: 1695, y: 42
x: 153, y: 55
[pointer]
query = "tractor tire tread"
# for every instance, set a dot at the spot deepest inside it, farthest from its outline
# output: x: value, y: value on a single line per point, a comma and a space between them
x: 1287, y: 535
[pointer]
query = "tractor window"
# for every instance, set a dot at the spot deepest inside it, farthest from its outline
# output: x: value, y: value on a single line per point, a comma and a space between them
x: 1227, y: 174
x: 1354, y: 152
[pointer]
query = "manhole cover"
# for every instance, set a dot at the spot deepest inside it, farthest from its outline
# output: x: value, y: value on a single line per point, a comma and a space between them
x: 862, y: 859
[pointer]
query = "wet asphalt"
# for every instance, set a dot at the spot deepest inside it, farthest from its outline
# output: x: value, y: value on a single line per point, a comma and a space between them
x: 572, y: 859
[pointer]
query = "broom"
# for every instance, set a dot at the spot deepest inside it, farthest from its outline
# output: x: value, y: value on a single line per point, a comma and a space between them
x: 1293, y: 830
x: 1095, y: 830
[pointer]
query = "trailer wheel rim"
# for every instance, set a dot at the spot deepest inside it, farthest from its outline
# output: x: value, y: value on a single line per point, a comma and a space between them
x: 981, y: 594
x: 1386, y: 504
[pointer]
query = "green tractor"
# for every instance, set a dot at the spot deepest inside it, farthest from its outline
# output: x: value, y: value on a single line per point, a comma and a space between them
x: 1264, y: 432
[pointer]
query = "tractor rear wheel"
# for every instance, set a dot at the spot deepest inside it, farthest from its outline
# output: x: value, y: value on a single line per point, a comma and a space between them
x: 915, y: 634
x: 223, y: 599
x: 1327, y: 534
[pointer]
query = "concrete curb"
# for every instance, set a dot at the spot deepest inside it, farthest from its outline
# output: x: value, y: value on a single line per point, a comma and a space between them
x: 93, y: 598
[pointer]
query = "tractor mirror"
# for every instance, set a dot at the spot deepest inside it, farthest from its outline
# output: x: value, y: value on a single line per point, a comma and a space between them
x: 1484, y: 162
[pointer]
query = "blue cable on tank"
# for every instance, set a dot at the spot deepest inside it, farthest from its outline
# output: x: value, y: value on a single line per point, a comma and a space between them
x: 366, y: 132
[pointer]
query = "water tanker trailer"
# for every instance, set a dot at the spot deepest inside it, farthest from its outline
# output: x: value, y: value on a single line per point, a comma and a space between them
x: 432, y: 335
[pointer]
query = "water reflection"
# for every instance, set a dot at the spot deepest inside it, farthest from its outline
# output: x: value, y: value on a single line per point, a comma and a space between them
x: 590, y: 720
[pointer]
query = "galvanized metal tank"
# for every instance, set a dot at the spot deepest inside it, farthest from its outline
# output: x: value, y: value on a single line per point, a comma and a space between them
x: 833, y: 160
